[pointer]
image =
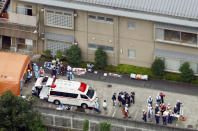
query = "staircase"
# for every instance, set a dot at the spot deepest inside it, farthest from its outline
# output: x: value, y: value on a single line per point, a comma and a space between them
x: 3, y: 4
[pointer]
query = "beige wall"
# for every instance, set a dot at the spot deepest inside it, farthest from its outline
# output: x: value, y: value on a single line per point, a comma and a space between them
x: 176, y: 48
x: 140, y: 39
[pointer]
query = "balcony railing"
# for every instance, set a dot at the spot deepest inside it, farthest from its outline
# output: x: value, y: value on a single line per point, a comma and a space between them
x: 20, y: 19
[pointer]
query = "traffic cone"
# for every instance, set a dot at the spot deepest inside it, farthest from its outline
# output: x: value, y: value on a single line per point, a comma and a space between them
x: 183, y: 118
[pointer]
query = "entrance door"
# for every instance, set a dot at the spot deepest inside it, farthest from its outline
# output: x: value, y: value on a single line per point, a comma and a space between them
x: 6, y: 42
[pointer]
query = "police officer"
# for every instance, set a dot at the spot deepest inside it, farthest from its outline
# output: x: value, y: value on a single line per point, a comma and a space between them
x: 164, y: 118
x: 157, y: 117
x: 144, y: 117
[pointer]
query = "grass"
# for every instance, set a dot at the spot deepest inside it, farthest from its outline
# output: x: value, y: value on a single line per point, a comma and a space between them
x: 128, y: 69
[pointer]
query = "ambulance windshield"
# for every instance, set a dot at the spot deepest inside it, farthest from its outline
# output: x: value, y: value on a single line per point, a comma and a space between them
x: 90, y: 93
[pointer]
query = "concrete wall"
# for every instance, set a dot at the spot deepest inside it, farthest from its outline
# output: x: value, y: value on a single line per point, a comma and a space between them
x: 74, y: 120
x: 139, y: 39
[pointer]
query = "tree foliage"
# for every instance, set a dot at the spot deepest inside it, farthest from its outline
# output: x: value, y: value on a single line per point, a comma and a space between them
x: 59, y: 55
x: 104, y: 126
x: 86, y: 125
x: 187, y: 74
x: 47, y: 53
x: 16, y: 114
x: 100, y: 58
x: 73, y: 55
x: 158, y: 67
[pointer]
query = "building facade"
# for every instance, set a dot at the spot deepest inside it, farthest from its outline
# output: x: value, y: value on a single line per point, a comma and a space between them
x: 131, y: 32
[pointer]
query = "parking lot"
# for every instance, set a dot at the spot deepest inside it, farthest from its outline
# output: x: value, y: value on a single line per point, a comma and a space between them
x: 105, y: 92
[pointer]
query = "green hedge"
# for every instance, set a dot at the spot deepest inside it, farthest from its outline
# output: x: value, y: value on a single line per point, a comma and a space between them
x: 128, y: 69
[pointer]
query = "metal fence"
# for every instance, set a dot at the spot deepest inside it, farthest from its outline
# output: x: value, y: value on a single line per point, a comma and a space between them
x: 60, y: 120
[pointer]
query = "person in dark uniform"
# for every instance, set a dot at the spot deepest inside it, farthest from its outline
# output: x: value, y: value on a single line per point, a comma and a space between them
x: 114, y: 99
x: 178, y: 104
x: 157, y: 117
x: 144, y: 117
x: 156, y: 109
x: 170, y: 117
x: 164, y: 118
x: 133, y: 97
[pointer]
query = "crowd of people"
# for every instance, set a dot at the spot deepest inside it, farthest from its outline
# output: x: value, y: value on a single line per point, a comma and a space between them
x: 57, y: 68
x: 161, y: 110
x: 124, y: 100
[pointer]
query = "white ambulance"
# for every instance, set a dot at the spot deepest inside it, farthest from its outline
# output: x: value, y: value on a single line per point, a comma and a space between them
x: 69, y: 92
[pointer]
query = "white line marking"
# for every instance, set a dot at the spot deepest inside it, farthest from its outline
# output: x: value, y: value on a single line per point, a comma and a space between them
x: 114, y: 113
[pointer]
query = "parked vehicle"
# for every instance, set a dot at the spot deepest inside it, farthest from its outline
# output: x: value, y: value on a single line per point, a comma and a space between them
x: 61, y: 91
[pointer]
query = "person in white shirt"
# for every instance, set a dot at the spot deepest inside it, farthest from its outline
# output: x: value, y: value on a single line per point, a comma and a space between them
x: 104, y: 105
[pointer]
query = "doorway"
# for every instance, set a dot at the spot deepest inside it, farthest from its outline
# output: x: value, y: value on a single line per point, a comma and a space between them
x: 6, y: 42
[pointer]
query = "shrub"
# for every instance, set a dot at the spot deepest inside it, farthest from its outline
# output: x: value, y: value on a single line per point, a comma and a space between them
x: 195, y: 81
x: 73, y: 55
x: 158, y: 67
x: 187, y: 74
x: 59, y: 55
x: 86, y: 125
x: 47, y: 53
x: 171, y: 76
x: 104, y: 126
x: 100, y: 58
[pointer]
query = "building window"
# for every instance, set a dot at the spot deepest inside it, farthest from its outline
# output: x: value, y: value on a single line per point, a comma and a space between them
x: 174, y: 64
x: 59, y: 19
x: 109, y: 20
x: 189, y: 38
x: 131, y: 53
x: 179, y: 37
x: 24, y: 10
x: 92, y: 17
x: 172, y: 35
x: 131, y: 25
x: 96, y: 46
x: 100, y: 18
x: 54, y: 46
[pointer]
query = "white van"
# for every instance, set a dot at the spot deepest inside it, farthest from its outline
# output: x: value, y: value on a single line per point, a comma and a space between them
x: 68, y: 92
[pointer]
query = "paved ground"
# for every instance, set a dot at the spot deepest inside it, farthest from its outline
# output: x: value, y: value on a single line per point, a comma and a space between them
x: 143, y: 89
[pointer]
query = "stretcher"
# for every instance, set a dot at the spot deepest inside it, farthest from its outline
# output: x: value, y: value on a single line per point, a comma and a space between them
x: 139, y: 76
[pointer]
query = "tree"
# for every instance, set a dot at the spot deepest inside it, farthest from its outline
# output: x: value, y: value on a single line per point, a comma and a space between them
x: 100, y: 58
x: 59, y: 55
x: 104, y: 126
x: 86, y: 125
x: 158, y: 67
x: 187, y: 74
x: 73, y: 55
x: 16, y: 114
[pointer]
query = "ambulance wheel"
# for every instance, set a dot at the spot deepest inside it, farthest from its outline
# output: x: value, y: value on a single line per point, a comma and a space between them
x: 56, y: 102
x: 84, y: 106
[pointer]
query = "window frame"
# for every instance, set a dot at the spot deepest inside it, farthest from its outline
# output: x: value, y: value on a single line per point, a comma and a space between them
x: 83, y: 96
x: 105, y: 48
x: 109, y: 20
x: 131, y: 22
x: 25, y: 9
x: 132, y: 57
x: 180, y: 42
x: 63, y: 14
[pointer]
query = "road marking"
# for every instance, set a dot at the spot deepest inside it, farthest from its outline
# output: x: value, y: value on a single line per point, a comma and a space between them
x: 114, y: 113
